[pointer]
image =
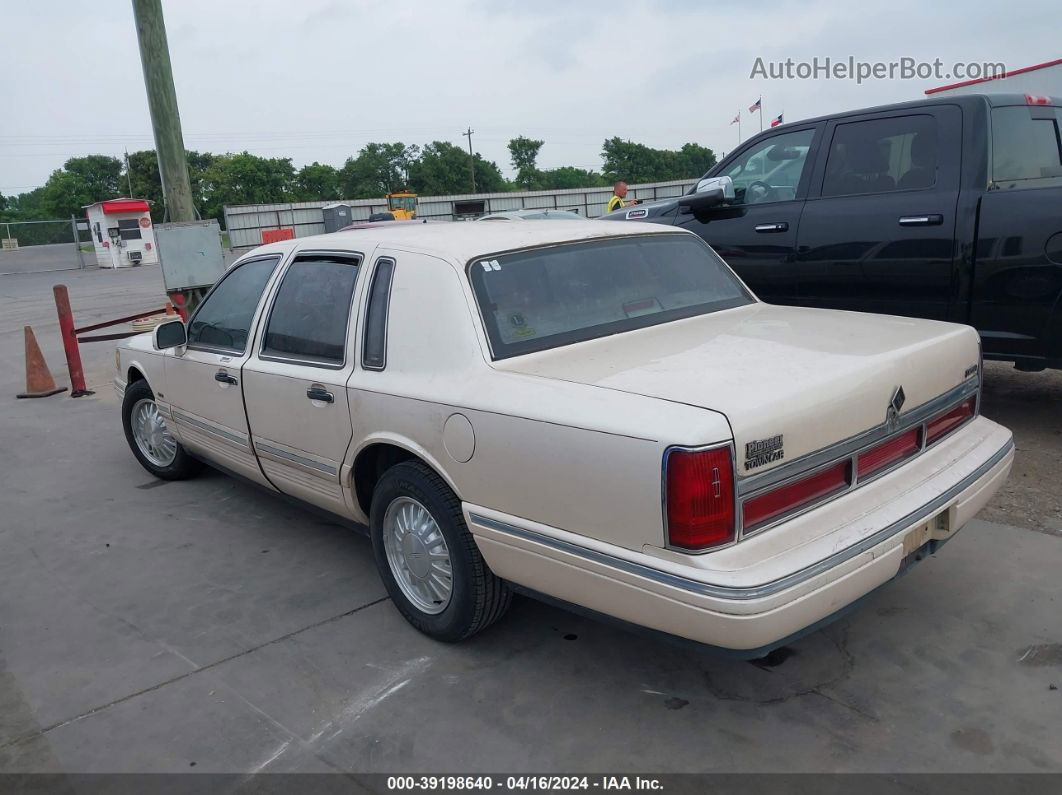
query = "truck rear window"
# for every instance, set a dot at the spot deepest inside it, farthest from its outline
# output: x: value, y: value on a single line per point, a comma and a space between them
x: 1025, y: 144
x: 546, y: 297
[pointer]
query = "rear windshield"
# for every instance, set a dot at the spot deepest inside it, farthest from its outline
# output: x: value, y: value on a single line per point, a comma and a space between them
x: 543, y: 298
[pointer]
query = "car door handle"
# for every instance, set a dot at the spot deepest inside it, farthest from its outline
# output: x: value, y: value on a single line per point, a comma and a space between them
x: 317, y: 393
x: 222, y: 377
x: 933, y: 219
x: 782, y: 226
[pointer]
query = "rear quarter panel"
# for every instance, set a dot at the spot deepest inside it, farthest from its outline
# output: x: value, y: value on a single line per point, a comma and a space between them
x: 577, y: 457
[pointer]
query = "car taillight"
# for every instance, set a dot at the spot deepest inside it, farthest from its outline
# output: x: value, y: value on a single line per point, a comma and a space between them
x: 888, y: 453
x: 700, y: 498
x: 1034, y: 99
x: 760, y: 510
x: 945, y: 423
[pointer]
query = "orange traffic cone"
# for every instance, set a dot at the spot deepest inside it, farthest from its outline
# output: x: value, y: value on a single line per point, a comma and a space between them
x: 39, y: 381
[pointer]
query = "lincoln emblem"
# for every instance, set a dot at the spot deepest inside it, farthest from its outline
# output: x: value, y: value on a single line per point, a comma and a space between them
x: 892, y: 415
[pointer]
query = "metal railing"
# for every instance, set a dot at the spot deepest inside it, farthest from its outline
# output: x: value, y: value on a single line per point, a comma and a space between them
x: 41, y: 246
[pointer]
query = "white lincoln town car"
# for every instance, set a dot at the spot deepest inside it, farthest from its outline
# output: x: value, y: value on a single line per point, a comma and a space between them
x: 599, y: 413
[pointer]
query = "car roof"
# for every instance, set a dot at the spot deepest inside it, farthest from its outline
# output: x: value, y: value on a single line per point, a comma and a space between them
x: 462, y: 240
x: 990, y: 99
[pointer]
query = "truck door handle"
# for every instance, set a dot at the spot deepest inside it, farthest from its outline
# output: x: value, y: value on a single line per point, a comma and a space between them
x: 317, y: 393
x: 782, y: 226
x: 222, y: 377
x: 934, y: 219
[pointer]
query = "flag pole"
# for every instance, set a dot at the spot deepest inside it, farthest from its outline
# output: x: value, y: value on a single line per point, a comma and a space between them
x: 739, y: 128
x: 761, y: 114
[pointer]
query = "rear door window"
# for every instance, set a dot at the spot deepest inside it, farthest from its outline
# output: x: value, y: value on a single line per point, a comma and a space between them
x: 1026, y: 147
x: 374, y: 354
x: 882, y: 155
x: 311, y: 312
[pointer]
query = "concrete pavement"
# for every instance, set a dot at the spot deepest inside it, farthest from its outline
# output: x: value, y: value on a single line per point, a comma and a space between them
x: 209, y: 626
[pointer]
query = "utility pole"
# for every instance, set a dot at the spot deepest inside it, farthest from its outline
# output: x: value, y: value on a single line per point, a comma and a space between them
x: 128, y: 176
x: 162, y: 102
x: 471, y: 158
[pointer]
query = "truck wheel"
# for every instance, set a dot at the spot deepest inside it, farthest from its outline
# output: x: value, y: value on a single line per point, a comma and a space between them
x: 427, y: 558
x: 149, y: 439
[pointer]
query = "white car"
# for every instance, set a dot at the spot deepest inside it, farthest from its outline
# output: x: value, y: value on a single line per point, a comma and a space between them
x: 606, y: 416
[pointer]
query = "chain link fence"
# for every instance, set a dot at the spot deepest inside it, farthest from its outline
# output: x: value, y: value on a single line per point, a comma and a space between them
x: 40, y: 246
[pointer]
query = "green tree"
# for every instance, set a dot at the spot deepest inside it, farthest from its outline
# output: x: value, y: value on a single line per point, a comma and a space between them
x: 635, y: 162
x: 694, y: 160
x: 81, y: 181
x: 524, y: 154
x: 143, y: 173
x: 317, y: 182
x: 246, y: 179
x: 378, y: 169
x: 443, y: 169
x: 28, y: 206
x: 566, y: 177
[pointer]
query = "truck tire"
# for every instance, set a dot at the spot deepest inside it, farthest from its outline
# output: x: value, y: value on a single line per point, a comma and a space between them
x: 428, y: 560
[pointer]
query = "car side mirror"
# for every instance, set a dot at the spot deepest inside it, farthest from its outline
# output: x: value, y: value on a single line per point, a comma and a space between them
x: 169, y: 335
x: 710, y: 193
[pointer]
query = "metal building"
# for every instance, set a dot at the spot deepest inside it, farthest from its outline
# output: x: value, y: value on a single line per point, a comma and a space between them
x: 250, y: 225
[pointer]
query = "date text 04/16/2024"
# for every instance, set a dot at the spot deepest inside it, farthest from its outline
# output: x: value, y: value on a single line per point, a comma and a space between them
x: 527, y: 783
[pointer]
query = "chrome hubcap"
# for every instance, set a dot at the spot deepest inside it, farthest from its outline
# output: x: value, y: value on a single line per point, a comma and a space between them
x: 417, y: 555
x: 150, y: 434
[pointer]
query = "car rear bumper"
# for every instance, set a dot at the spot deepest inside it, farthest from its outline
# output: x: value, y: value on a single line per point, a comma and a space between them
x: 764, y: 600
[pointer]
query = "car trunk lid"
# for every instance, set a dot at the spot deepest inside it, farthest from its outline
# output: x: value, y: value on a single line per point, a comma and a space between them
x: 790, y: 380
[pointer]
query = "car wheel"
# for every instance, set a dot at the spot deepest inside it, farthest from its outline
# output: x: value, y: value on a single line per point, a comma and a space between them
x: 427, y: 558
x: 149, y: 438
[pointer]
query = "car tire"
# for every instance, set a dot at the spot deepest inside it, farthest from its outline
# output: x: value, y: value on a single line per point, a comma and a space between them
x: 155, y: 456
x: 413, y: 495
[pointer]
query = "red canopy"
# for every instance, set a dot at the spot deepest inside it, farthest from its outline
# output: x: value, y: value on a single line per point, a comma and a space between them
x: 125, y: 206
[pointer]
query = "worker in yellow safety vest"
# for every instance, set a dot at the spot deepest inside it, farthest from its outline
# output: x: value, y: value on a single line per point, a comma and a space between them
x: 617, y: 200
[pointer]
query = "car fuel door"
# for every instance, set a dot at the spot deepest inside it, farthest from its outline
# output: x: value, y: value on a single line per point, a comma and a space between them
x: 295, y: 382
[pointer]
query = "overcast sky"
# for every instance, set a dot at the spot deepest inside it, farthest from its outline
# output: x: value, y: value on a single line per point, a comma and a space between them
x: 317, y: 79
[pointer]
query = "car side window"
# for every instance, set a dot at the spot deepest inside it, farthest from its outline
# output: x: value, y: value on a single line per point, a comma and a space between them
x: 770, y: 171
x: 311, y: 312
x: 882, y: 155
x: 374, y: 352
x: 223, y: 320
x: 1026, y: 148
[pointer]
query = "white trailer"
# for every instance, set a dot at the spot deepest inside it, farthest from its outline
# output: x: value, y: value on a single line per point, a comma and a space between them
x: 122, y: 233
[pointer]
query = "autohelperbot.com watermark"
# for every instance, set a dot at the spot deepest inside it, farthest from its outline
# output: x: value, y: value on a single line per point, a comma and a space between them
x: 850, y: 68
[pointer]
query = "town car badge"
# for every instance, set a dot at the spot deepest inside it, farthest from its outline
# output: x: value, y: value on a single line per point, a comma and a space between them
x: 763, y: 451
x: 892, y: 414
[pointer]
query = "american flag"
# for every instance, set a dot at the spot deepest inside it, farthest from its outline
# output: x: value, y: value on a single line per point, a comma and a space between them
x: 755, y: 106
x: 737, y: 119
x: 777, y: 121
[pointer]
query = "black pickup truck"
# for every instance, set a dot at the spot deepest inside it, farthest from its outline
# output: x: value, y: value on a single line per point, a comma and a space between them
x: 945, y: 208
